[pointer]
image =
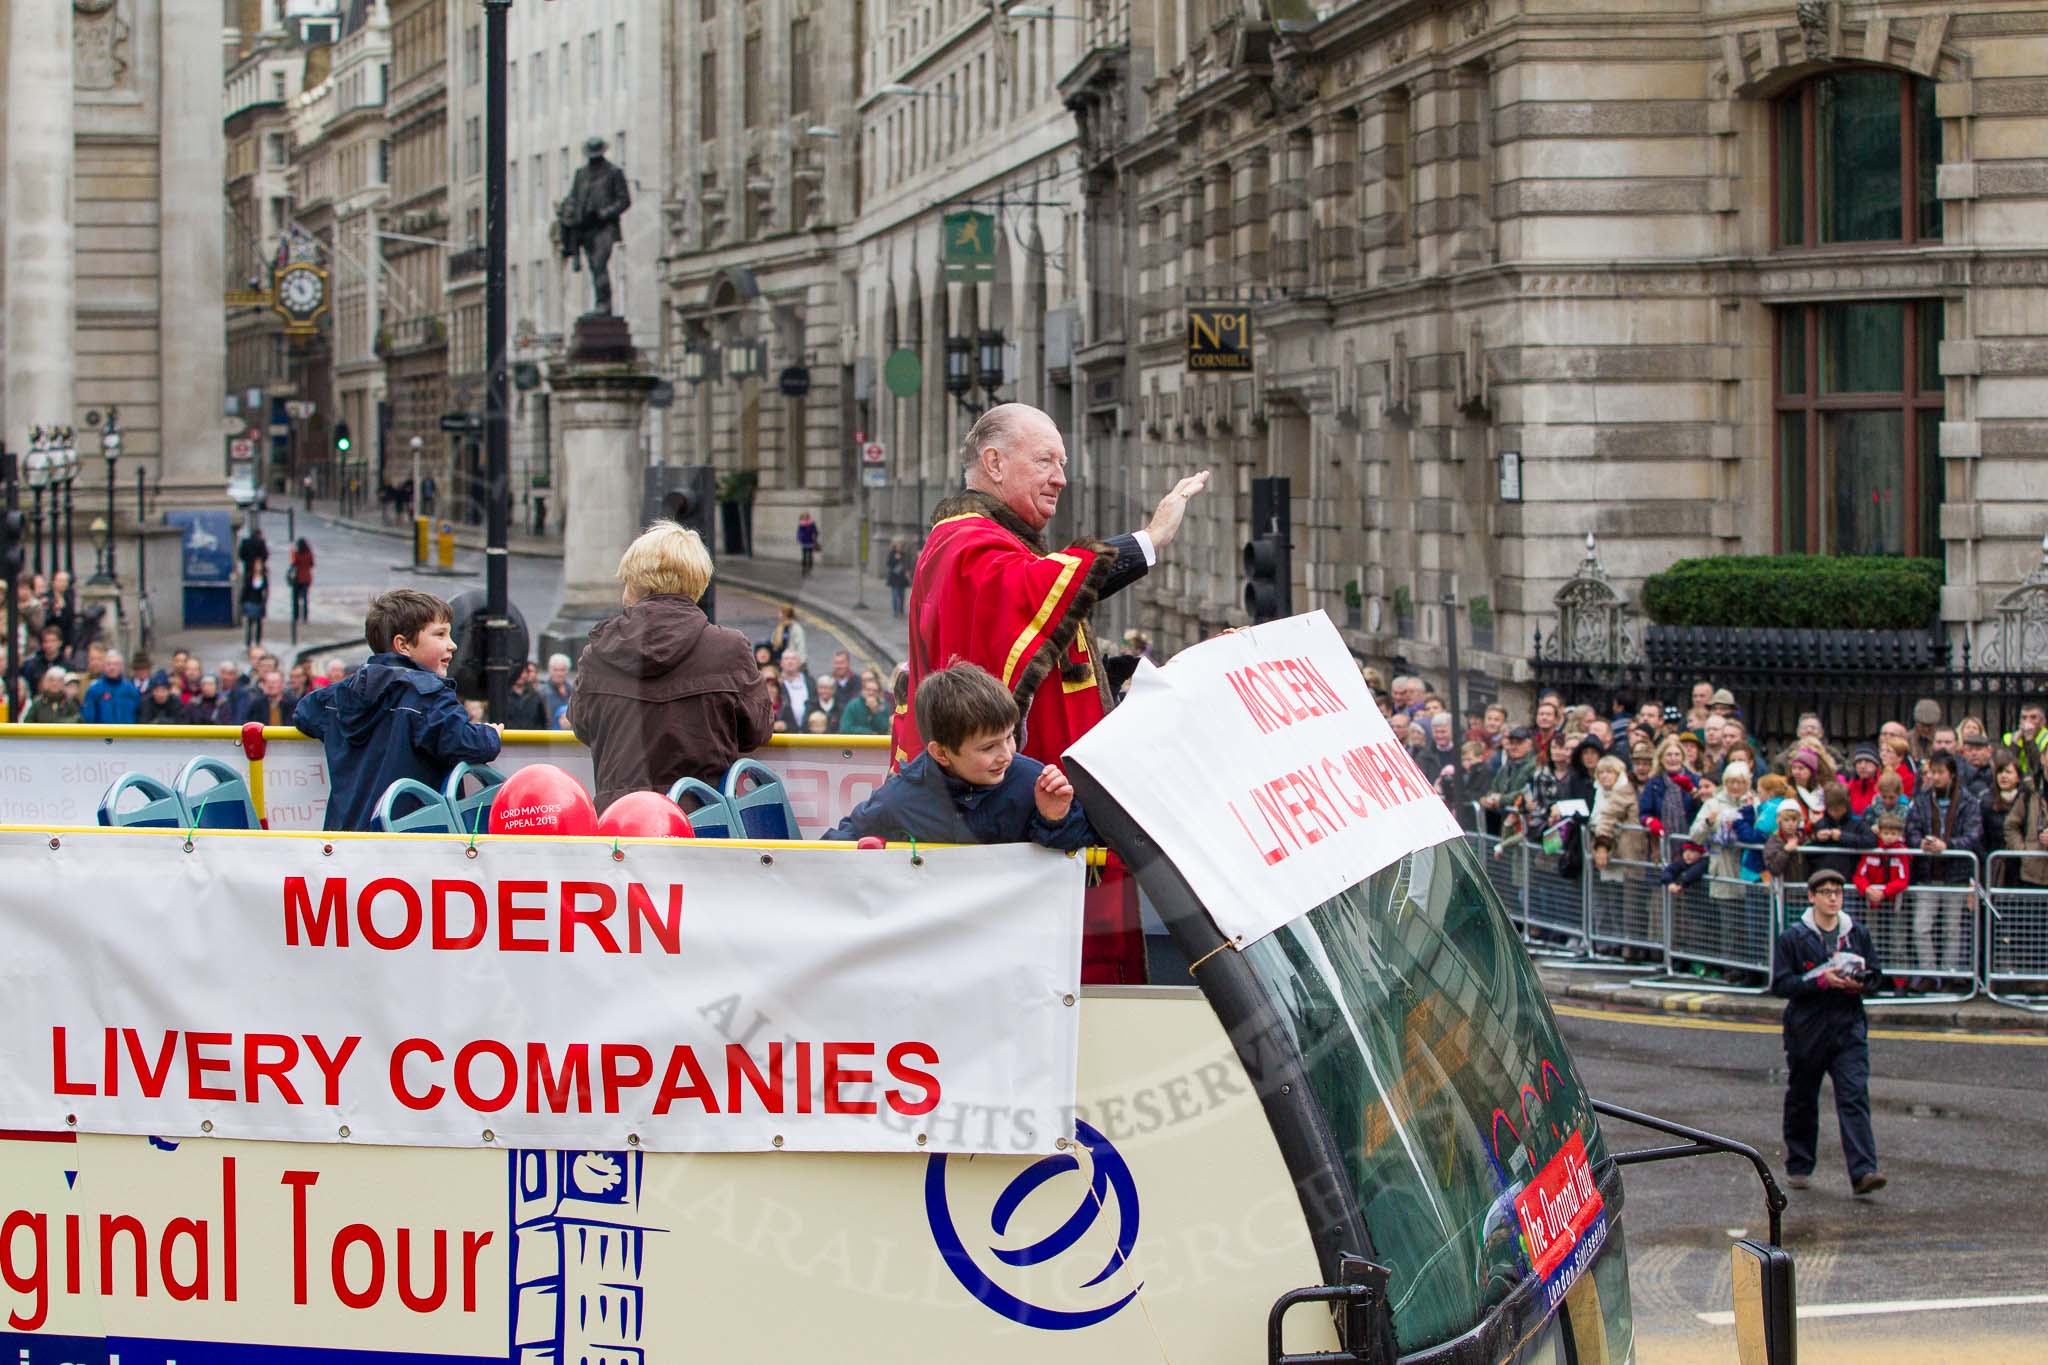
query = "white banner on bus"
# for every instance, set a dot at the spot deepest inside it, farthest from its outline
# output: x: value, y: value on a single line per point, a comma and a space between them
x: 1260, y: 764
x: 48, y: 779
x: 541, y: 993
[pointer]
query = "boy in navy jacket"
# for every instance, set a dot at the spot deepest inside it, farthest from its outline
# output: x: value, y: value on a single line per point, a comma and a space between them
x: 1822, y: 964
x: 970, y: 785
x: 396, y: 716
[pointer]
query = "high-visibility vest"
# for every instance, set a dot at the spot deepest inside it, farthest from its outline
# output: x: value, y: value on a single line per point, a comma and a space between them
x: 2029, y: 762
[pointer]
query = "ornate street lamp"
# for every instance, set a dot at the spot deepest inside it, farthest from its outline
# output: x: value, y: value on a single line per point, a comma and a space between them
x: 989, y: 366
x: 102, y: 538
x: 38, y: 479
x: 70, y: 477
x: 959, y: 367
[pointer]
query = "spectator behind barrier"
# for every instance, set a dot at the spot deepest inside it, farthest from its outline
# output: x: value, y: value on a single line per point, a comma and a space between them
x: 661, y: 693
x: 398, y: 715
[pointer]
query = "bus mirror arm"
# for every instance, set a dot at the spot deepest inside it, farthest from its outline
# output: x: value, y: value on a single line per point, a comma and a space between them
x: 1362, y: 1300
x: 1700, y: 1143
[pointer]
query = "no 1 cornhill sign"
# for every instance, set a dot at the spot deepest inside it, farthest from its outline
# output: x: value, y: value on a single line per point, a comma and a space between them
x: 1219, y: 338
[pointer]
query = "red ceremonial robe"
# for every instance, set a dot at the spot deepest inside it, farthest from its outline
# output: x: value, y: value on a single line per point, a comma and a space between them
x: 987, y: 591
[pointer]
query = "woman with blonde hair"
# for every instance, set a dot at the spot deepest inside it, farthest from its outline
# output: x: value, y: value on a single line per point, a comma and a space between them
x: 661, y: 693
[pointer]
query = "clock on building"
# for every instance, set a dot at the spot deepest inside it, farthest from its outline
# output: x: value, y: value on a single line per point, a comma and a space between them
x: 301, y: 295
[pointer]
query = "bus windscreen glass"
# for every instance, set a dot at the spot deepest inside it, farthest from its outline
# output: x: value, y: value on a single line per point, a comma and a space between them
x: 1438, y: 1063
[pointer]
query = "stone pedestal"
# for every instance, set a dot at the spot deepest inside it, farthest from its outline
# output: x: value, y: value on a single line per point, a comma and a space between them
x: 38, y: 351
x: 599, y: 398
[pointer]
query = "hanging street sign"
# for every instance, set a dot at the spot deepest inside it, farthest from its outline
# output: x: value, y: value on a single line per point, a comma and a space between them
x: 970, y: 247
x: 1219, y: 338
x: 903, y: 372
x: 796, y: 381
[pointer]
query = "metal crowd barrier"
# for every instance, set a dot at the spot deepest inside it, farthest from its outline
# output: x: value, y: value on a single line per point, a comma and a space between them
x: 1625, y: 914
x: 1930, y: 937
x: 2016, y: 931
x: 1943, y: 942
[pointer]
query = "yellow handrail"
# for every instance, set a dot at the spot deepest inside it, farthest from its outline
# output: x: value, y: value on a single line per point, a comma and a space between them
x: 275, y: 734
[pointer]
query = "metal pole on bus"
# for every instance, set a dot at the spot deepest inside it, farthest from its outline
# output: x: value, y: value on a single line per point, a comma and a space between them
x: 497, y: 392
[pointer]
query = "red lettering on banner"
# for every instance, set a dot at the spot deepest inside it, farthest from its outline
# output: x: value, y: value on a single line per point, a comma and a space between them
x: 541, y: 1078
x: 512, y: 914
x: 422, y: 1100
x: 1334, y: 777
x: 612, y: 1061
x: 899, y: 1070
x: 331, y: 1067
x: 332, y: 915
x: 667, y: 928
x: 198, y: 1066
x: 479, y: 912
x: 279, y: 1072
x: 366, y: 914
x: 739, y: 1065
x: 1267, y: 855
x: 508, y: 1084
x: 683, y: 1058
x: 593, y: 919
x: 836, y: 1076
x: 1252, y: 694
x: 61, y: 1083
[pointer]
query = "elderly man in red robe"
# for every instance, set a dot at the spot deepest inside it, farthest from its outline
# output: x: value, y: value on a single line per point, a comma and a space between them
x: 988, y: 590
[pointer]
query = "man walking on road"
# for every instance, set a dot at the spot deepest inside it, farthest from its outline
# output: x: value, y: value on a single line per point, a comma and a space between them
x: 1821, y: 966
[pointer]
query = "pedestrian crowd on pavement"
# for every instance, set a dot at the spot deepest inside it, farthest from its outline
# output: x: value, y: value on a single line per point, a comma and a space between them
x: 1685, y: 796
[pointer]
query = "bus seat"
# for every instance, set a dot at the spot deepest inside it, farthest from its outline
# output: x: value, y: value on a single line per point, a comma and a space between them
x: 224, y: 805
x: 161, y: 809
x: 432, y: 814
x: 711, y: 816
x: 759, y: 801
x: 472, y: 812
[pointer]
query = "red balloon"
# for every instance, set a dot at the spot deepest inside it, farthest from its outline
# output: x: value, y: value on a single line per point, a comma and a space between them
x: 542, y: 799
x: 645, y: 815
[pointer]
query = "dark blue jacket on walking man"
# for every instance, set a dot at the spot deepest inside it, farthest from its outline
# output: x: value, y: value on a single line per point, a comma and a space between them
x: 1826, y: 1036
x: 924, y: 801
x: 389, y: 719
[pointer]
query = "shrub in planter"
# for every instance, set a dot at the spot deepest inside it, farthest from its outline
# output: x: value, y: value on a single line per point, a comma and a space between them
x: 1797, y: 592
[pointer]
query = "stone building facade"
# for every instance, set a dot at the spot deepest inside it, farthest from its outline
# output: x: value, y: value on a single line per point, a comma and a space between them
x: 414, y: 337
x: 819, y: 151
x: 112, y: 240
x: 1698, y: 278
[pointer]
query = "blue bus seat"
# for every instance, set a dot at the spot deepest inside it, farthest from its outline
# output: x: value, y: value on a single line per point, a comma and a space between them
x: 760, y: 810
x: 711, y: 817
x: 161, y: 809
x: 224, y: 805
x: 432, y: 815
x: 472, y: 812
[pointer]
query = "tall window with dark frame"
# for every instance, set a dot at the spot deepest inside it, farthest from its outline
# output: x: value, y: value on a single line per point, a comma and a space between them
x: 800, y: 66
x: 1855, y: 159
x: 1859, y: 406
x: 707, y: 96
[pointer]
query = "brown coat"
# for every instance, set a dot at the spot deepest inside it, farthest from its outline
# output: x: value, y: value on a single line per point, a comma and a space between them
x: 663, y: 694
x: 2023, y: 824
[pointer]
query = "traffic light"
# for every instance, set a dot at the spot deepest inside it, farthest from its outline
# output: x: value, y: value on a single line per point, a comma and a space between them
x: 342, y: 443
x: 11, y: 525
x: 1268, y: 569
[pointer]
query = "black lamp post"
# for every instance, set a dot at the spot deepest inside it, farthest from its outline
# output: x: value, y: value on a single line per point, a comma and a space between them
x: 110, y: 451
x: 975, y: 362
x: 959, y: 367
x: 989, y: 363
x: 70, y: 477
x: 38, y: 463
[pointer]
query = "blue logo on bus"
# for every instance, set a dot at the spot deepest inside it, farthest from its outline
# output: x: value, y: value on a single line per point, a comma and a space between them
x: 1110, y: 1192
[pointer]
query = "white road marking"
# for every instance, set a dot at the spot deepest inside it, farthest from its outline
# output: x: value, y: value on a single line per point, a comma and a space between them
x: 1857, y: 1310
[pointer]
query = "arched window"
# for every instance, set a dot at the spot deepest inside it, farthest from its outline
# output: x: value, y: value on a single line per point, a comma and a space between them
x: 1856, y: 154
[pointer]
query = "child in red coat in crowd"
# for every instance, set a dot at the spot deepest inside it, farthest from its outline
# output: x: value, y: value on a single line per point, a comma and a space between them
x: 1884, y: 873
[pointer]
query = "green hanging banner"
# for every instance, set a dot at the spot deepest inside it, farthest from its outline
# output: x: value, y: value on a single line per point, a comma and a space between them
x: 970, y: 247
